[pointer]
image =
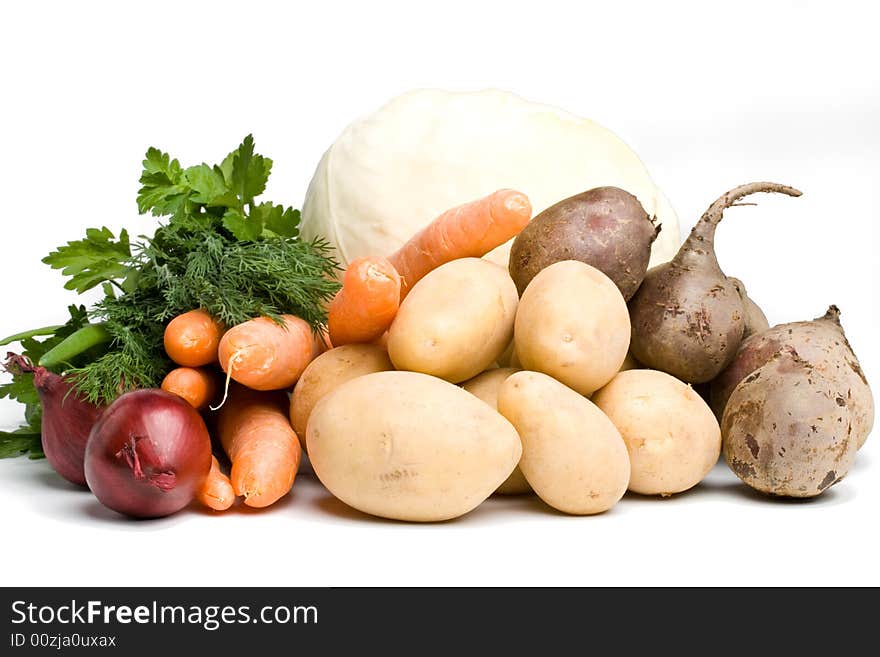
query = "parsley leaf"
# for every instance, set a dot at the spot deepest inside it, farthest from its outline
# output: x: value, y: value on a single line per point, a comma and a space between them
x: 277, y: 220
x: 24, y: 440
x: 209, y: 185
x: 244, y: 229
x: 250, y: 171
x: 93, y: 260
x: 161, y: 190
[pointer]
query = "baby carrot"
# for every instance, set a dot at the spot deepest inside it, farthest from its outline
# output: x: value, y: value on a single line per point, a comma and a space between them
x: 367, y: 303
x: 263, y: 448
x: 196, y: 385
x: 216, y: 491
x: 467, y: 231
x: 191, y: 339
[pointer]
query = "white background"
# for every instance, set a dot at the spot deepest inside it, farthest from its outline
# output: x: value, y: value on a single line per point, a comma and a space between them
x: 708, y: 97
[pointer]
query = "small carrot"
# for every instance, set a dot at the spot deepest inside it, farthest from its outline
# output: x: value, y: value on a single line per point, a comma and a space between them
x: 467, y: 231
x: 367, y: 303
x: 216, y: 491
x: 264, y: 450
x: 265, y: 355
x: 191, y: 339
x: 198, y: 386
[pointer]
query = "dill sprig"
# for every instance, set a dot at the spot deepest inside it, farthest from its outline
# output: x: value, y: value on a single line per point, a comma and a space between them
x: 218, y: 250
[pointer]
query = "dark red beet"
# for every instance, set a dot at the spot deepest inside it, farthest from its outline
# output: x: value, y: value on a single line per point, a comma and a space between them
x: 148, y: 454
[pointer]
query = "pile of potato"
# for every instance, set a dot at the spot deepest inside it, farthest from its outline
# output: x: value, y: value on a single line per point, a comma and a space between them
x: 479, y: 388
x: 410, y: 444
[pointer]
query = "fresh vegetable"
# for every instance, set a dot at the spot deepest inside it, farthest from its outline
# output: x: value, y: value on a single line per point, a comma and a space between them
x: 198, y: 386
x: 629, y: 363
x: 605, y: 227
x: 267, y: 355
x: 671, y: 435
x: 822, y: 344
x: 219, y: 249
x: 754, y: 319
x: 456, y: 321
x: 26, y: 439
x: 191, y: 339
x: 466, y: 231
x: 409, y: 446
x: 67, y: 419
x: 572, y: 324
x: 263, y: 448
x: 367, y: 303
x: 148, y: 454
x: 327, y: 372
x: 687, y: 316
x: 429, y: 150
x: 573, y: 456
x: 788, y: 427
x: 485, y: 386
x: 88, y: 337
x: 216, y: 491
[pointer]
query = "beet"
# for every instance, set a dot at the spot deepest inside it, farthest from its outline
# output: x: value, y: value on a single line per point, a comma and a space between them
x: 822, y: 344
x: 688, y: 317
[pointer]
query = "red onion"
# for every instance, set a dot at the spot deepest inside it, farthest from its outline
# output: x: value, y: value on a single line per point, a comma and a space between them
x: 147, y: 454
x: 66, y: 421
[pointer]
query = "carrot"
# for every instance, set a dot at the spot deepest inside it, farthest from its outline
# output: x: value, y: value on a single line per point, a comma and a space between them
x: 367, y: 303
x: 264, y: 450
x: 191, y: 339
x: 216, y: 491
x: 467, y: 231
x: 196, y: 385
x: 265, y: 355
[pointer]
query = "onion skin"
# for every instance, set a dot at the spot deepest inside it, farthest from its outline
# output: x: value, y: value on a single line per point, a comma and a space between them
x: 66, y: 422
x: 148, y: 454
x: 65, y: 426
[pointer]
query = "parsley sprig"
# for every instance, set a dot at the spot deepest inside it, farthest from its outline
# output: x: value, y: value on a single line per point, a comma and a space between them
x: 217, y: 248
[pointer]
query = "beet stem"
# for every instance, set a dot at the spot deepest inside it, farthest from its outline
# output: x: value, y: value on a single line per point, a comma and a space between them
x: 702, y: 236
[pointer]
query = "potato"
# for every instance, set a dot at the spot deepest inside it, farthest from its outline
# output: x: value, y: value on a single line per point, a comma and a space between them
x: 605, y: 227
x: 573, y: 456
x: 790, y: 428
x: 671, y: 434
x: 629, y: 363
x: 572, y: 324
x: 327, y: 372
x: 485, y: 386
x: 409, y: 446
x: 456, y: 321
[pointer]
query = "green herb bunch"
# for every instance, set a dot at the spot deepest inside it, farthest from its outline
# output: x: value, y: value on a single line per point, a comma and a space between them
x: 217, y: 249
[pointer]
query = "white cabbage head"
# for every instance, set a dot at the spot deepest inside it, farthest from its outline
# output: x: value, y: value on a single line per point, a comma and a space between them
x: 392, y: 172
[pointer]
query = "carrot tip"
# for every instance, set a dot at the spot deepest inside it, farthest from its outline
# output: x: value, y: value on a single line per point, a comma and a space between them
x: 518, y: 203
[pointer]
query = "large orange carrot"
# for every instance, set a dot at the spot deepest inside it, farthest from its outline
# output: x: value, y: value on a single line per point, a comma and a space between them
x: 467, y: 231
x: 264, y: 450
x: 191, y: 339
x: 367, y: 303
x: 216, y: 491
x: 196, y: 385
x: 265, y: 355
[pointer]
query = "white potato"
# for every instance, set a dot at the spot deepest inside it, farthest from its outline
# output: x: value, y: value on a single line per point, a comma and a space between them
x: 572, y: 323
x: 456, y: 321
x: 573, y: 456
x: 485, y: 386
x: 672, y: 435
x: 409, y: 446
x: 327, y: 372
